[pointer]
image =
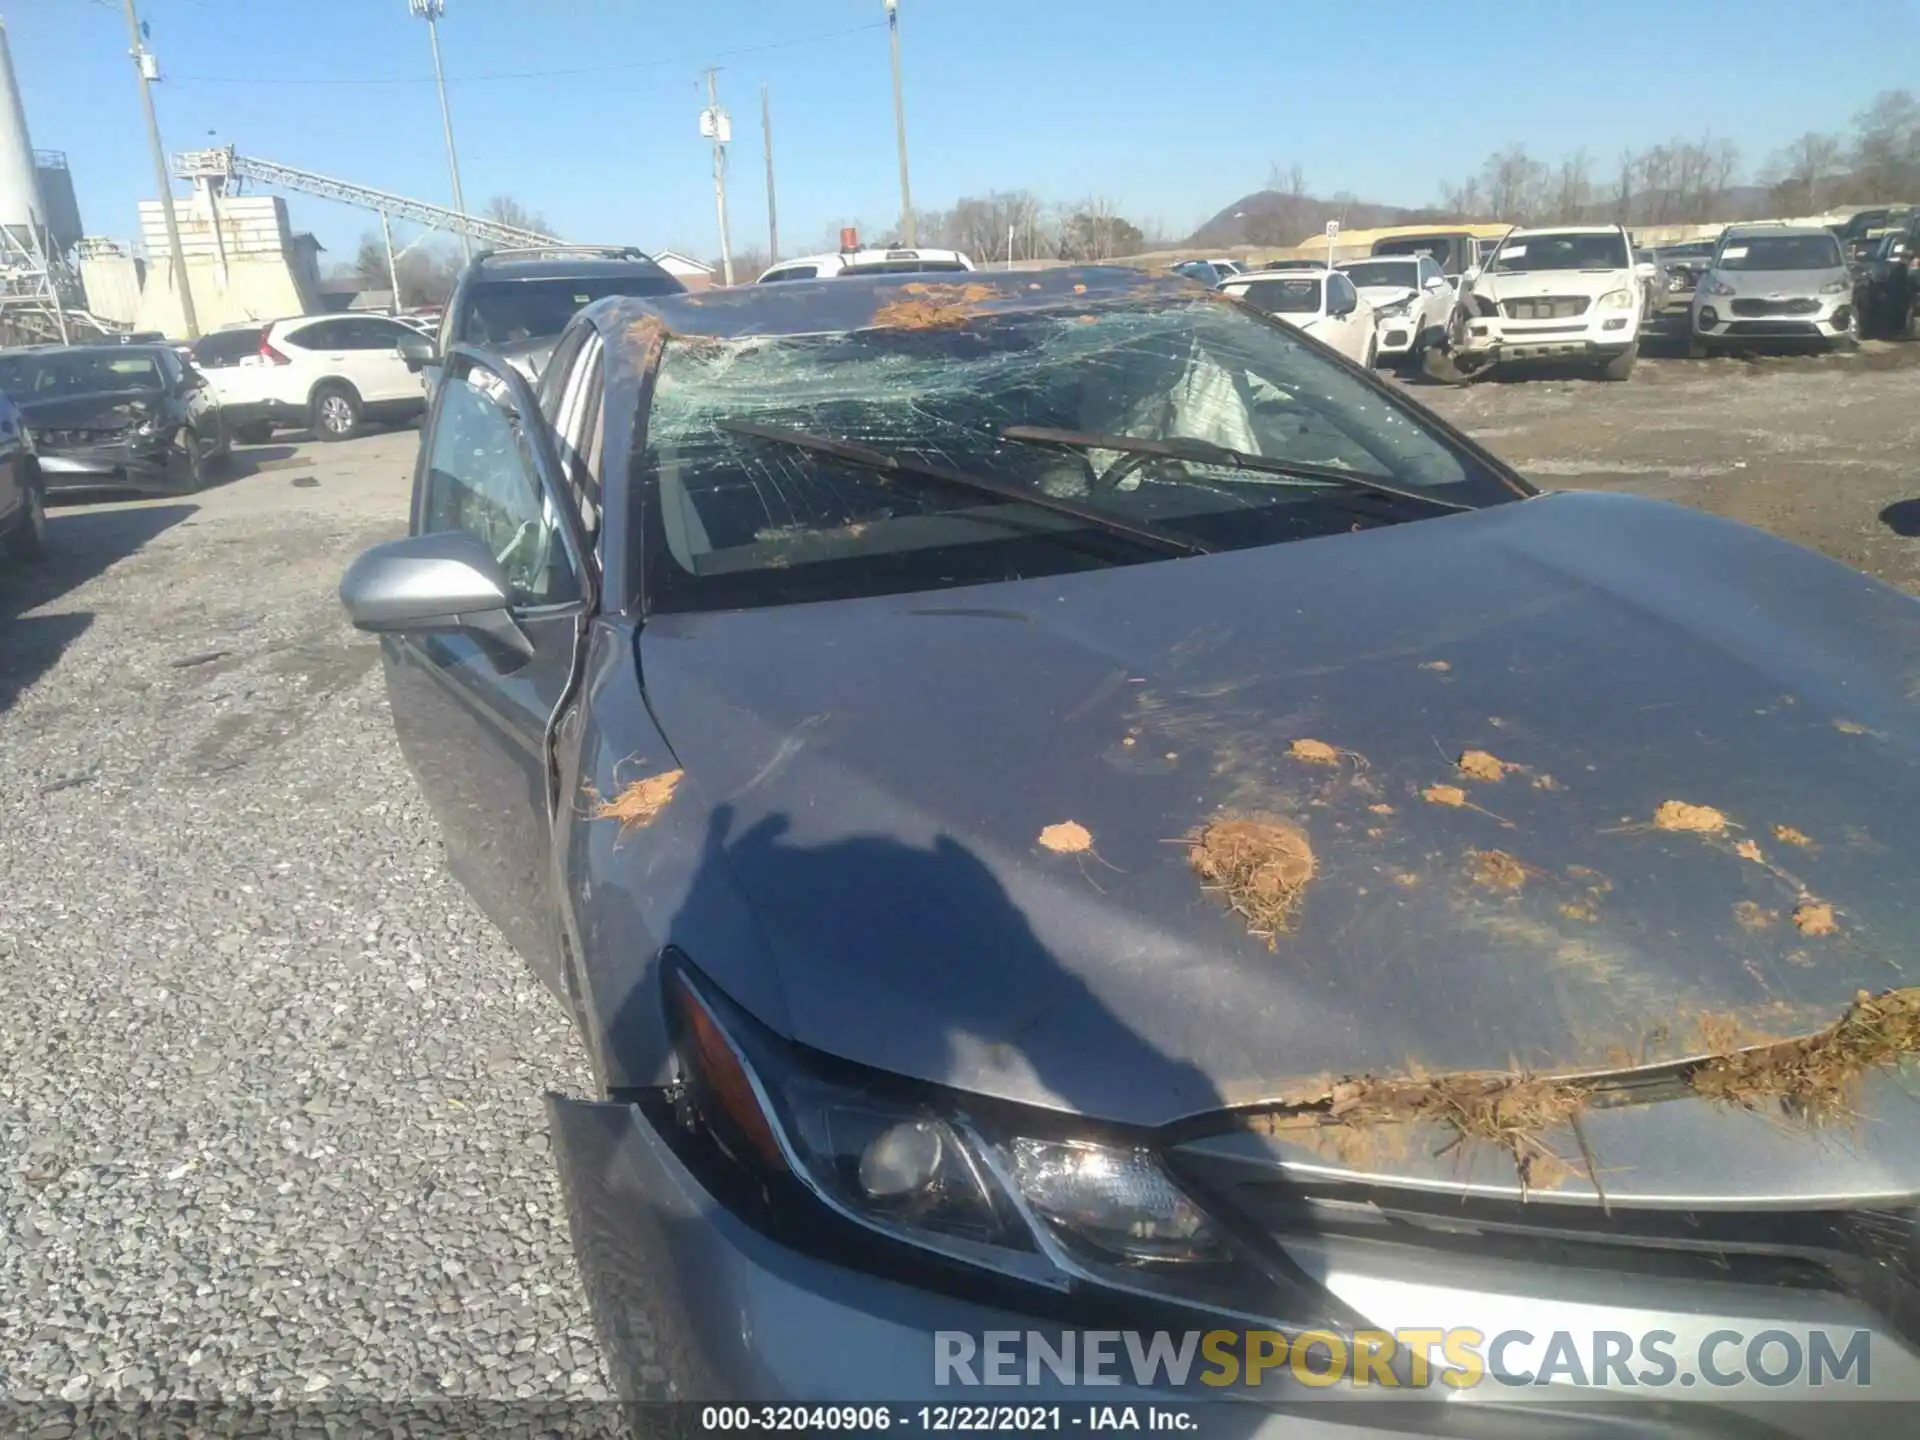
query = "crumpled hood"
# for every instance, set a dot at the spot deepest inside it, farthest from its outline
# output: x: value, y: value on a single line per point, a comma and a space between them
x: 1527, y: 283
x: 1780, y: 284
x: 106, y: 410
x: 1380, y: 296
x: 880, y: 772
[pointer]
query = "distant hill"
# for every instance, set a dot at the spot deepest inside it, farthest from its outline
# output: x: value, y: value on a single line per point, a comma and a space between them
x: 1276, y: 217
x: 1279, y: 218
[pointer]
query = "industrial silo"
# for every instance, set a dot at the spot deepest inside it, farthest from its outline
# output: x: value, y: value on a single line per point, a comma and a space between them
x: 20, y: 209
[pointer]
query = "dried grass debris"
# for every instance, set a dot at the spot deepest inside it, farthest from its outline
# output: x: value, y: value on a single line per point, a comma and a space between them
x: 1496, y: 869
x: 1815, y: 1077
x: 1314, y: 752
x: 1480, y: 765
x: 1787, y: 835
x: 1068, y: 837
x: 1444, y: 795
x: 638, y: 803
x: 931, y: 307
x: 1815, y: 917
x: 1695, y: 819
x: 1261, y: 866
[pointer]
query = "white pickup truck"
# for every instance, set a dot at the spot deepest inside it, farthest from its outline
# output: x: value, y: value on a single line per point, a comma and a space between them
x: 1570, y: 293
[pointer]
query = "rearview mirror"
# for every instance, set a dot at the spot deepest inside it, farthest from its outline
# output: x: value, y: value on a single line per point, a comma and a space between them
x: 448, y: 582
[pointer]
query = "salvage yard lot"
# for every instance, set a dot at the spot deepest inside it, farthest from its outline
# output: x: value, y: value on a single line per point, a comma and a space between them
x: 270, y: 1114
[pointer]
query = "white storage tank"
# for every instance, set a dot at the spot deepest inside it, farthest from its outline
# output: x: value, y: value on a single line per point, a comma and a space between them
x: 20, y: 208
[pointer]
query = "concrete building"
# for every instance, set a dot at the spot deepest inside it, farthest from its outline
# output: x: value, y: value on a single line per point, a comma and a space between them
x: 250, y: 265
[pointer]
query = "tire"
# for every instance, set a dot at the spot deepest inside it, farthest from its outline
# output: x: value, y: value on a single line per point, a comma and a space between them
x: 1620, y: 366
x: 27, y: 540
x: 257, y: 433
x: 199, y: 466
x: 1909, y: 326
x: 1373, y: 353
x: 335, y: 412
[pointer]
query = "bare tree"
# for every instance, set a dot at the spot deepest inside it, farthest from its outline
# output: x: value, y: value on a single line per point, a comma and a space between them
x: 1803, y: 169
x: 1515, y: 184
x: 1886, y: 147
x: 1572, y: 188
x: 509, y: 211
x: 1623, y: 188
x: 1095, y: 230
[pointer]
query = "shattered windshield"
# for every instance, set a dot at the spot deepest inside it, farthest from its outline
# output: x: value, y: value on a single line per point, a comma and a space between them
x: 736, y: 519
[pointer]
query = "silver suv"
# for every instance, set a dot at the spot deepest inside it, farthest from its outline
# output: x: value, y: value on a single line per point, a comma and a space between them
x: 1774, y: 282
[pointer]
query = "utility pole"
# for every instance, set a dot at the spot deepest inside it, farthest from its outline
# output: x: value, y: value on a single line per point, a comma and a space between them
x: 393, y: 268
x: 717, y: 126
x: 145, y: 68
x: 773, y: 217
x: 908, y: 230
x: 431, y: 11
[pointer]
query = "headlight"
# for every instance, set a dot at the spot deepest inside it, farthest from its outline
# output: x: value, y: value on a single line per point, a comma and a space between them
x: 1719, y: 287
x: 874, y: 1171
x: 1836, y: 287
x: 1483, y: 306
x: 1394, y: 309
x: 1619, y: 300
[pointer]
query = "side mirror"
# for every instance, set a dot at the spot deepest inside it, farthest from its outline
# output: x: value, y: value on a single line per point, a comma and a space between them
x: 447, y: 583
x: 1436, y: 282
x: 1471, y: 273
x: 417, y: 351
x: 1645, y: 270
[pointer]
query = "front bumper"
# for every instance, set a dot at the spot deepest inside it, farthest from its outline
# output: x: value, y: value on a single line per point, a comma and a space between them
x: 1599, y: 335
x: 1397, y: 334
x: 691, y: 1304
x: 1714, y: 317
x: 158, y: 465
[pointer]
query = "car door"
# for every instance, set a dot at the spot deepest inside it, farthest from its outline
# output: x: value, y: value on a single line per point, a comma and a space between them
x: 13, y: 452
x: 1347, y: 325
x: 475, y: 727
x: 379, y: 339
x: 1436, y: 296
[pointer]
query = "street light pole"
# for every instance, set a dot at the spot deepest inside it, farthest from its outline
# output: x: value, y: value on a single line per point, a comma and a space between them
x: 431, y: 11
x: 141, y: 62
x: 908, y: 230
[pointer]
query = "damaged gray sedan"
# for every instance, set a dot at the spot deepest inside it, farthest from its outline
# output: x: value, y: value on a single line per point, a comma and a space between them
x: 1057, y: 804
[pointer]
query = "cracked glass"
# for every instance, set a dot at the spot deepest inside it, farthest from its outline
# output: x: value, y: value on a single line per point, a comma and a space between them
x: 744, y: 520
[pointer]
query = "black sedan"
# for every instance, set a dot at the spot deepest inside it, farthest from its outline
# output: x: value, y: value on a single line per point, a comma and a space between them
x: 112, y: 416
x: 1057, y: 800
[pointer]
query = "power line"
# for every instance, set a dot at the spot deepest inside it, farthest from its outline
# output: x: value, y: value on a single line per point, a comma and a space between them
x: 533, y: 74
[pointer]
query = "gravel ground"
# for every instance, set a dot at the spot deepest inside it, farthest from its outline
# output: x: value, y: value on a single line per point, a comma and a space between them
x: 270, y: 1121
x: 270, y: 1114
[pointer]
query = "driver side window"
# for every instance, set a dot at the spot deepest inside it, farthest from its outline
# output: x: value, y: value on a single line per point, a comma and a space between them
x: 481, y: 478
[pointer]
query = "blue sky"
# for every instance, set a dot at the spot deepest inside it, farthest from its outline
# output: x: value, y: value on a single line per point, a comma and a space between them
x: 1172, y: 110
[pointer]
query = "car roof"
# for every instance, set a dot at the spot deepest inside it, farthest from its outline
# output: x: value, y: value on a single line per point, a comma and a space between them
x: 1748, y: 232
x: 572, y: 267
x: 815, y: 307
x: 1563, y: 230
x: 872, y: 256
x: 151, y: 347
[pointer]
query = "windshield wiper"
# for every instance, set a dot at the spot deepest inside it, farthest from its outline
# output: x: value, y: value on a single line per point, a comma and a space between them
x: 1140, y: 531
x: 1205, y: 452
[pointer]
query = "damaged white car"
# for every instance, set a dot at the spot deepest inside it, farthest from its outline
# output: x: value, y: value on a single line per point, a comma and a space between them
x: 1411, y: 301
x: 1570, y: 293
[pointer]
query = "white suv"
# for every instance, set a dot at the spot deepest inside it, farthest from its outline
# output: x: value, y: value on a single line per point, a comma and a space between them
x: 328, y: 373
x: 866, y: 262
x: 1573, y: 292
